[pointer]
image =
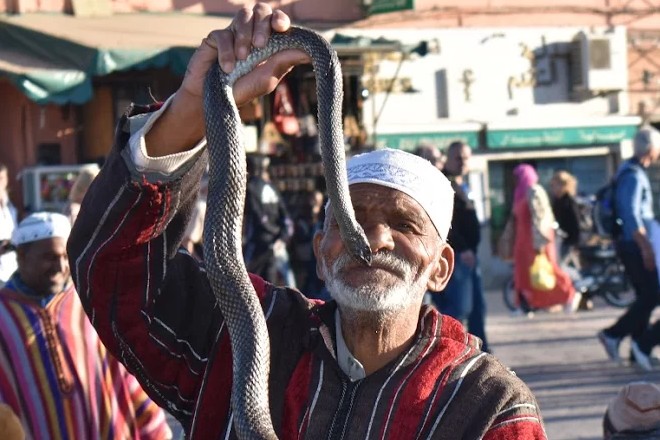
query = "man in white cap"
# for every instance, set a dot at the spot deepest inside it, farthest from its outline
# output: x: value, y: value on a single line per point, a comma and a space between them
x: 56, y: 375
x: 373, y: 363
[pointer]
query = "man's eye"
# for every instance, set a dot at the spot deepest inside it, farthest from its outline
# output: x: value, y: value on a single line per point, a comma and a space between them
x: 405, y: 226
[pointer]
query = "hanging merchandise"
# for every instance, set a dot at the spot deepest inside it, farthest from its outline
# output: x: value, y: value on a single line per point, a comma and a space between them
x: 284, y: 116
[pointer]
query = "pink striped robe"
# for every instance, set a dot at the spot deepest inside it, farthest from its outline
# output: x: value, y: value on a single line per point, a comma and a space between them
x: 60, y: 380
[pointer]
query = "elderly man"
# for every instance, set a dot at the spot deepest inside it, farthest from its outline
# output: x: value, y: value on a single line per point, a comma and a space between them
x: 56, y: 375
x: 373, y: 364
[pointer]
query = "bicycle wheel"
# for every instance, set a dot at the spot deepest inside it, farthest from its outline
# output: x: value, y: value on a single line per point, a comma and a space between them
x: 617, y: 289
x: 509, y: 294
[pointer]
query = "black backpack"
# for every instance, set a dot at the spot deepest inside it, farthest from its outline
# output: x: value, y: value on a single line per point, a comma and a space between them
x: 606, y: 221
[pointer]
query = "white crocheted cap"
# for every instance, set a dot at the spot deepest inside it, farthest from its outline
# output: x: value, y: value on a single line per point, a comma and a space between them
x: 40, y: 226
x: 411, y: 175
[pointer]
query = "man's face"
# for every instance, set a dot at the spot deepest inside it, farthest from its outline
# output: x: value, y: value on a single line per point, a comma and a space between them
x: 458, y: 160
x: 44, y: 265
x: 408, y: 255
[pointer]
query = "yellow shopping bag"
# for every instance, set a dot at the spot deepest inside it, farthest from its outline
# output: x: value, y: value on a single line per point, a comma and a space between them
x: 542, y: 274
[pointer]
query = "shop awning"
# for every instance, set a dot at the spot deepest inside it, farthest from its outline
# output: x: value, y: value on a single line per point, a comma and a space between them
x: 441, y: 136
x: 52, y: 58
x: 601, y: 131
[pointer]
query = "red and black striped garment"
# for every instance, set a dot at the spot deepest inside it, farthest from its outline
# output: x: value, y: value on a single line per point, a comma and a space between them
x: 152, y: 305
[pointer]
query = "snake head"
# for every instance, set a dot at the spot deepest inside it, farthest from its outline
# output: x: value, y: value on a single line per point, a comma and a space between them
x: 359, y: 247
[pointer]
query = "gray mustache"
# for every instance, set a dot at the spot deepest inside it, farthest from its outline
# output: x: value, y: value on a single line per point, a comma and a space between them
x: 385, y: 260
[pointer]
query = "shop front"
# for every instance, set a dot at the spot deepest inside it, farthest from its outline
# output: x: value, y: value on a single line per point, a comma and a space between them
x: 590, y: 150
x: 441, y: 137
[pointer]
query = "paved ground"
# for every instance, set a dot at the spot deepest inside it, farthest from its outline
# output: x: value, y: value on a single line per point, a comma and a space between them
x: 563, y: 363
x: 561, y: 360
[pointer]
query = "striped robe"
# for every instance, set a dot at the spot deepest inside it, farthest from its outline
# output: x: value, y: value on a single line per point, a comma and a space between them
x: 59, y: 379
x: 154, y: 309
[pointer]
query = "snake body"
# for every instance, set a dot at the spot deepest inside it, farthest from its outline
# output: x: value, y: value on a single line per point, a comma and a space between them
x: 225, y: 267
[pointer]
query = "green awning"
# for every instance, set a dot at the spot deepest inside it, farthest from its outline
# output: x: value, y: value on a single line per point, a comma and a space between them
x: 561, y: 136
x: 52, y: 58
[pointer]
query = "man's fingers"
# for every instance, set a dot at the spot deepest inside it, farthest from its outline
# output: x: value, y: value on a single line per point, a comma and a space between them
x: 242, y: 29
x: 223, y: 40
x: 261, y: 29
x: 280, y: 21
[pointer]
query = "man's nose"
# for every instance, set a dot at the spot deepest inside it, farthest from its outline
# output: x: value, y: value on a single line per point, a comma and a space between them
x: 380, y: 237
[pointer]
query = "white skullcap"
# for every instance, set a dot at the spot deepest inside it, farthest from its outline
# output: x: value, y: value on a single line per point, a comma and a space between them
x: 411, y: 175
x: 40, y: 226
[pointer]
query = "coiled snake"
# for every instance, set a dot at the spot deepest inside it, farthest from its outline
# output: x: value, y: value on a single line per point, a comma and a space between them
x: 226, y: 270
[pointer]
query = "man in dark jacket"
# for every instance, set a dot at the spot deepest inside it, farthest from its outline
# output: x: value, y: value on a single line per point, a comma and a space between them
x: 373, y: 363
x: 463, y: 298
x: 267, y: 225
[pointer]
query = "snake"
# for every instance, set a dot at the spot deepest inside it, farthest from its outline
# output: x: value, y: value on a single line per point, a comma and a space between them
x: 223, y: 224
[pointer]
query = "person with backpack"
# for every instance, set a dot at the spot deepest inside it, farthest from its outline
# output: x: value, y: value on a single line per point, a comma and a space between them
x: 633, y: 209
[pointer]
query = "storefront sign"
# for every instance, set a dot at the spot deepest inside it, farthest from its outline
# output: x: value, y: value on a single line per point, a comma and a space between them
x: 408, y: 141
x: 546, y: 137
x: 383, y: 6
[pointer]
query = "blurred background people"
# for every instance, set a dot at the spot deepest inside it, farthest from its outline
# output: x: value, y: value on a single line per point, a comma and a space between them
x: 535, y: 235
x: 56, y: 375
x: 463, y: 298
x: 633, y: 203
x: 8, y: 221
x: 78, y: 191
x: 308, y: 221
x: 431, y: 153
x: 267, y: 226
x: 563, y: 189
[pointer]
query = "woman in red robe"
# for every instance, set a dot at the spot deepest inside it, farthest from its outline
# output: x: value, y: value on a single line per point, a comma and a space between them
x: 535, y: 234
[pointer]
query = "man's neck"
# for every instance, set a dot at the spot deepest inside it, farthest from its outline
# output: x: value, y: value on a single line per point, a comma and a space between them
x: 376, y: 339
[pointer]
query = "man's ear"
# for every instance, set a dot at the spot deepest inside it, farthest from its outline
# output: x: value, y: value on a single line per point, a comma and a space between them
x: 443, y: 270
x: 316, y: 246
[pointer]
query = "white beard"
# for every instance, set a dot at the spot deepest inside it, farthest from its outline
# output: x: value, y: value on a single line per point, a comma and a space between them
x: 393, y: 292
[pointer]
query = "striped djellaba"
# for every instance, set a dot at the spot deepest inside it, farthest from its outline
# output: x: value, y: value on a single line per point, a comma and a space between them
x: 60, y: 380
x: 154, y: 309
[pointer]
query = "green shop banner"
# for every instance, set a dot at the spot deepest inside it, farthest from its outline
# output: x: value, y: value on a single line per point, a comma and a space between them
x: 384, y: 6
x: 408, y: 141
x: 546, y: 137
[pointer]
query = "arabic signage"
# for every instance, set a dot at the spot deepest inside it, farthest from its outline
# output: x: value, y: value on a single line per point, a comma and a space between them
x: 547, y: 137
x: 408, y: 141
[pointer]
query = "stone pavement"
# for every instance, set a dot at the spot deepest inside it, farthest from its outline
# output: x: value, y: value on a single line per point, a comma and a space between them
x: 561, y: 360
